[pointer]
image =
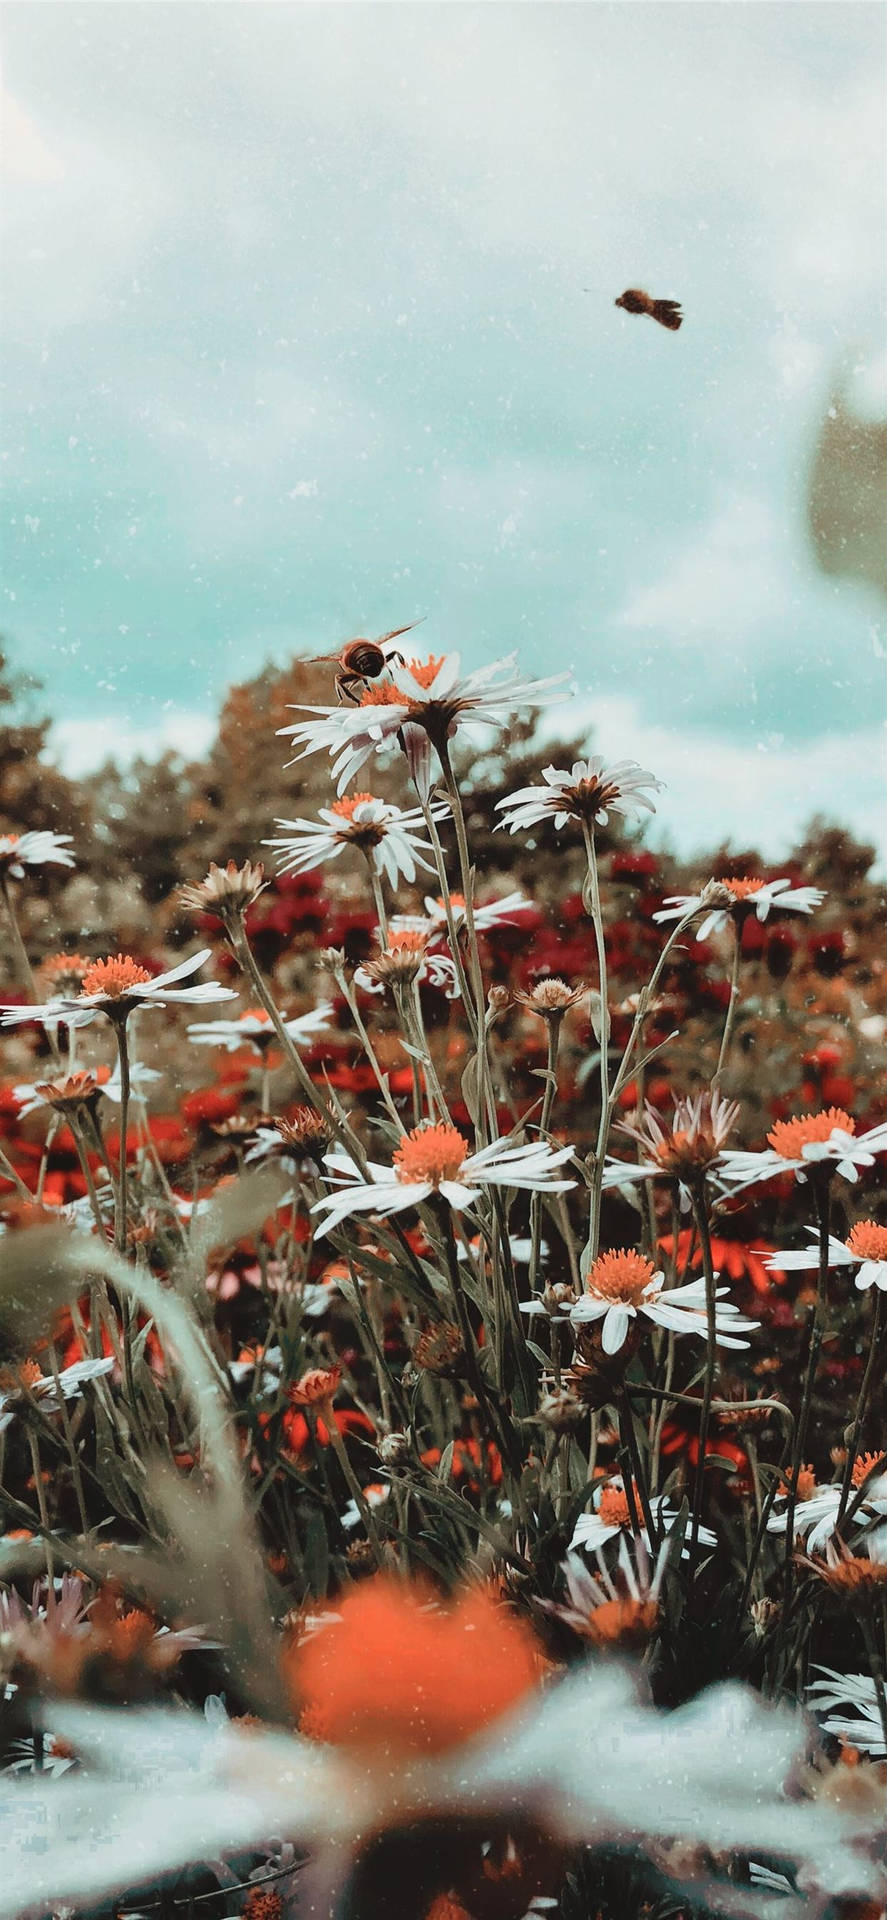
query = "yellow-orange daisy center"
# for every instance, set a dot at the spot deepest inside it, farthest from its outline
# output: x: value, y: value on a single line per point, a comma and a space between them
x: 112, y: 977
x: 345, y: 807
x: 742, y: 889
x: 430, y: 1153
x: 621, y: 1276
x: 789, y: 1137
x: 867, y: 1240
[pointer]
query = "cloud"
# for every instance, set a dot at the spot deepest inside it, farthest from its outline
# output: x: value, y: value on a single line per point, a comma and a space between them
x: 81, y: 746
x: 733, y: 580
x: 753, y: 792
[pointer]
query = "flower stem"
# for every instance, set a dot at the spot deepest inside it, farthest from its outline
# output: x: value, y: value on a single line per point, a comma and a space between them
x: 732, y: 1006
x: 861, y: 1408
x: 554, y: 1034
x: 822, y: 1192
x: 700, y: 1210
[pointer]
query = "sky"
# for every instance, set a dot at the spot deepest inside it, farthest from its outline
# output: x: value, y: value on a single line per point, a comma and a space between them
x: 309, y: 331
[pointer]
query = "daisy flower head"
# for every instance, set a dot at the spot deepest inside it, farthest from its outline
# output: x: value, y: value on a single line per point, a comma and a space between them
x: 589, y: 792
x: 865, y: 1248
x: 827, y: 1141
x: 620, y: 1611
x: 551, y: 998
x: 253, y: 1028
x: 611, y: 1518
x: 18, y: 851
x: 432, y: 1160
x: 390, y: 837
x: 115, y: 987
x: 82, y: 1089
x: 227, y: 891
x: 685, y: 1148
x: 817, y: 1507
x: 622, y: 1284
x: 736, y: 899
x: 419, y: 705
x: 487, y: 913
x: 862, y: 1727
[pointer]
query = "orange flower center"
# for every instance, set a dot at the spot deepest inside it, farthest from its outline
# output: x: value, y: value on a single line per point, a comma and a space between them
x: 433, y: 1153
x: 865, y: 1465
x: 113, y: 976
x: 385, y: 696
x: 26, y: 1374
x: 345, y: 807
x: 613, y: 1508
x: 868, y: 1241
x: 742, y: 889
x: 623, y: 1622
x: 397, y: 1674
x: 407, y: 943
x: 620, y: 1276
x: 789, y: 1137
x: 425, y: 672
x: 255, y: 1014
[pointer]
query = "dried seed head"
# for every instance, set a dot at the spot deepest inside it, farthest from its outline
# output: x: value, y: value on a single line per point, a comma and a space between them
x: 561, y: 1411
x: 263, y: 1903
x: 551, y: 998
x: 316, y: 1388
x: 227, y: 891
x: 394, y: 1449
x: 401, y: 961
x: 440, y: 1350
x: 307, y: 1132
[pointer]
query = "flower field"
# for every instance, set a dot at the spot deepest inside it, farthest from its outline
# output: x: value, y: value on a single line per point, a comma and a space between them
x: 442, y: 1409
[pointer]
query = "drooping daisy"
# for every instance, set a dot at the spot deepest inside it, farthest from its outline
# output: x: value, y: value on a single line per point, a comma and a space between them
x: 589, y: 792
x: 424, y: 702
x: 36, y: 849
x: 690, y: 1146
x: 620, y: 1611
x: 826, y: 1139
x: 737, y: 899
x: 435, y: 1159
x: 611, y: 1518
x: 116, y: 987
x: 621, y: 1284
x: 82, y: 1089
x: 406, y: 960
x: 389, y: 836
x: 864, y: 1248
x: 254, y: 1029
x: 863, y: 1728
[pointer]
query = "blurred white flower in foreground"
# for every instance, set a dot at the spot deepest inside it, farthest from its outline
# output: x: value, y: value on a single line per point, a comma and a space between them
x: 35, y: 849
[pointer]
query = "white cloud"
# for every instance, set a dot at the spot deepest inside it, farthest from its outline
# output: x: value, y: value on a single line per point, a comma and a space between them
x: 80, y: 746
x: 733, y: 579
x: 752, y: 791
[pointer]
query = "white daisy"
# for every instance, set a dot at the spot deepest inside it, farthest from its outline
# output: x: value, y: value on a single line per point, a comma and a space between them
x: 115, y: 987
x: 254, y: 1028
x: 816, y: 1515
x: 31, y: 1096
x: 389, y: 836
x: 739, y: 898
x: 423, y: 703
x: 864, y: 1248
x: 798, y: 1146
x: 688, y: 1146
x: 435, y: 1159
x: 588, y: 791
x: 36, y: 849
x: 621, y: 1284
x: 862, y: 1729
x: 18, y: 1384
x: 611, y: 1518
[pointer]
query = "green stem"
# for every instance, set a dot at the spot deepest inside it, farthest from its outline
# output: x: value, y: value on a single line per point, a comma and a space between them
x: 861, y: 1408
x: 553, y: 1025
x: 700, y: 1210
x: 822, y: 1191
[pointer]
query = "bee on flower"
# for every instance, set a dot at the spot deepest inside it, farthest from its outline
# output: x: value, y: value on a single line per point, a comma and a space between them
x: 723, y: 900
x: 622, y: 1284
x: 419, y: 704
x: 865, y: 1248
x: 390, y: 837
x: 39, y: 848
x: 435, y: 1159
x: 115, y: 988
x: 826, y: 1141
x: 587, y: 792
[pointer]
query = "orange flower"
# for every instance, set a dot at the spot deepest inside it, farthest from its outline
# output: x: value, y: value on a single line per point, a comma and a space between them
x: 396, y: 1671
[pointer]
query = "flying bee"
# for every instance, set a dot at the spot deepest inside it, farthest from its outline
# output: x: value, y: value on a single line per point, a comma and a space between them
x: 667, y: 312
x: 362, y: 660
